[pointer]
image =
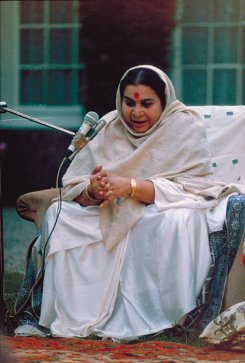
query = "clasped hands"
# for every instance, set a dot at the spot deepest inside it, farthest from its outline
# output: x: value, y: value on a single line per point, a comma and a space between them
x: 106, y: 187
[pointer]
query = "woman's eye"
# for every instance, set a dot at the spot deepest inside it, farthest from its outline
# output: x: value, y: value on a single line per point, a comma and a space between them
x: 129, y: 103
x: 147, y: 104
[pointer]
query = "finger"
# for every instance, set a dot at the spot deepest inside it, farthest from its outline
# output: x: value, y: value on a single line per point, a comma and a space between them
x: 108, y: 195
x: 104, y: 203
x: 102, y: 194
x: 97, y: 169
x: 107, y: 198
x: 104, y: 181
x: 101, y: 175
x: 108, y: 187
x: 105, y: 185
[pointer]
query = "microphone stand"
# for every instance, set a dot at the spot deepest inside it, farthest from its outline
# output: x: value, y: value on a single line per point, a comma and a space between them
x: 3, y: 109
x: 2, y: 304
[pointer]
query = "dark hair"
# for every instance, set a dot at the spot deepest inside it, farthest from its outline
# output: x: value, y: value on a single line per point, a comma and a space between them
x: 147, y: 77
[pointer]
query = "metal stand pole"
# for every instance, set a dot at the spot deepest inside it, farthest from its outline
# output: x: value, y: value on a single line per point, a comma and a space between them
x: 2, y: 303
x: 3, y: 109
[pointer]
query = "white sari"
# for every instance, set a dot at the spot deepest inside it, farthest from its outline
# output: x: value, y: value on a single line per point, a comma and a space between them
x: 145, y: 284
x: 128, y: 269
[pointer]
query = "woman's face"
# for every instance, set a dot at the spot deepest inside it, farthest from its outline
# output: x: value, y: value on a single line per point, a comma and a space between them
x: 141, y: 107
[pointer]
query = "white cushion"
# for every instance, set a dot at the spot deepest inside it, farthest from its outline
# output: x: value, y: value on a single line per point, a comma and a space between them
x: 225, y: 127
x: 229, y: 326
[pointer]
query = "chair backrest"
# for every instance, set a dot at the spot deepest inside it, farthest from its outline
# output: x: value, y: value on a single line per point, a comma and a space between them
x: 225, y: 127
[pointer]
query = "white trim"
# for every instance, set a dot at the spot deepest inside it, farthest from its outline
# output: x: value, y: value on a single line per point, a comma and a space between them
x: 69, y: 117
x: 177, y: 66
x: 176, y: 71
x: 9, y: 51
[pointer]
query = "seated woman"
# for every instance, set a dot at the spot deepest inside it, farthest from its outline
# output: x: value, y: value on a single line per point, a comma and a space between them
x: 129, y: 252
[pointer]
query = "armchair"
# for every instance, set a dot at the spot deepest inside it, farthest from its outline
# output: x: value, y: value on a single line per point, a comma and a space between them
x: 225, y: 126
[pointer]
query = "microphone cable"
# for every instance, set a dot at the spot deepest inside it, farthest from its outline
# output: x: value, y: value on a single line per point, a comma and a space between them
x: 61, y: 170
x: 40, y: 274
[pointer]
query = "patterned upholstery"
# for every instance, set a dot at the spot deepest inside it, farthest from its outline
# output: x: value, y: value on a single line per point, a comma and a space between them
x: 225, y: 127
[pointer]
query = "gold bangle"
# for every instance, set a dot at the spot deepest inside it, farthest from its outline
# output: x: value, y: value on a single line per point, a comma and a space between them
x: 89, y: 197
x: 133, y: 185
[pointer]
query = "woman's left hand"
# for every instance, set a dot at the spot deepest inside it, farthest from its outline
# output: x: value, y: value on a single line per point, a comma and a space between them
x: 119, y: 187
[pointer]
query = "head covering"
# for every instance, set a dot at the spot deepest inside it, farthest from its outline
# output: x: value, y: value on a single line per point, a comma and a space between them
x: 175, y: 150
x: 171, y: 103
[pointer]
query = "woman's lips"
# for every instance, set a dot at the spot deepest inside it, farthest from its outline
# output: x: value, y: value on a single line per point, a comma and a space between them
x: 138, y: 122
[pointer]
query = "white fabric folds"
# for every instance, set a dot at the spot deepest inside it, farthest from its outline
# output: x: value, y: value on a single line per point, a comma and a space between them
x: 146, y: 283
x: 128, y: 269
x: 174, y: 152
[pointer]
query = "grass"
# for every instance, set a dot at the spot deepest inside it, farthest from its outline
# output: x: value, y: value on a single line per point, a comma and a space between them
x: 12, y: 282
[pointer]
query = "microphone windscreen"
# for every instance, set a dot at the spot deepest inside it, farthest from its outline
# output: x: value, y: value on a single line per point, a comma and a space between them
x: 91, y: 118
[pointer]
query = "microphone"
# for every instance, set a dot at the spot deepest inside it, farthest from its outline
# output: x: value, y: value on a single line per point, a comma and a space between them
x: 90, y: 135
x: 79, y: 140
x: 3, y: 105
x: 95, y: 130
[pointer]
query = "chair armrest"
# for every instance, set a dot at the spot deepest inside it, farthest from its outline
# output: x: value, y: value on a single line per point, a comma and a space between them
x: 235, y: 287
x: 32, y: 206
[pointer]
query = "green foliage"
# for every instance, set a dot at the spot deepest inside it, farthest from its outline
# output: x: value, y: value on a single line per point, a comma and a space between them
x: 176, y: 334
x: 12, y: 282
x: 117, y: 35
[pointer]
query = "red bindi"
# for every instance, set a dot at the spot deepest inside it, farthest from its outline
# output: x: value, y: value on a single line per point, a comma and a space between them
x: 136, y: 95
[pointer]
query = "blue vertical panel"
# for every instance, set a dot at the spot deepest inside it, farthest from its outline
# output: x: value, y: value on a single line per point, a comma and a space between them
x: 31, y: 12
x: 60, y: 11
x: 60, y: 87
x: 243, y: 87
x: 197, y: 9
x: 60, y: 46
x: 194, y: 87
x: 195, y: 45
x: 31, y: 83
x: 243, y: 40
x: 31, y: 50
x: 224, y: 87
x: 225, y: 11
x: 226, y: 44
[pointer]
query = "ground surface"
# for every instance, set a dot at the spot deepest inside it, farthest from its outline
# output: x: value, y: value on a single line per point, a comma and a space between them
x: 17, y: 236
x: 42, y: 350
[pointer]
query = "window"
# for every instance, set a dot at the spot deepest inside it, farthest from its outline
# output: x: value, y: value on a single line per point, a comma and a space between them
x: 49, y: 67
x: 41, y: 72
x: 209, y: 52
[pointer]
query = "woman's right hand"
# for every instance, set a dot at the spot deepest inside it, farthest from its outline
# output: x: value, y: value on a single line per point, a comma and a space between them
x: 96, y: 190
x: 99, y: 183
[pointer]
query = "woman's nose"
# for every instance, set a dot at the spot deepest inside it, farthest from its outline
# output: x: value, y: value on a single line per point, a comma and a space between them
x: 137, y: 111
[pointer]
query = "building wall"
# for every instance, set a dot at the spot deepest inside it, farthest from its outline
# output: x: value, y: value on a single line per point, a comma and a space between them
x: 208, y: 52
x: 60, y: 59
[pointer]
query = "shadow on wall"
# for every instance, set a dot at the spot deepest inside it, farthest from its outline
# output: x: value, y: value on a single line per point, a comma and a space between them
x: 30, y: 161
x: 117, y: 35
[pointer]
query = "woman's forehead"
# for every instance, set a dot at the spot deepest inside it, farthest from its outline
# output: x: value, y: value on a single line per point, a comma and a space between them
x: 139, y: 91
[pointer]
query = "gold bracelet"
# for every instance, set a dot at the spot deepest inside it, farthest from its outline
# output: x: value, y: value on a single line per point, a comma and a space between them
x: 89, y: 197
x: 133, y: 185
